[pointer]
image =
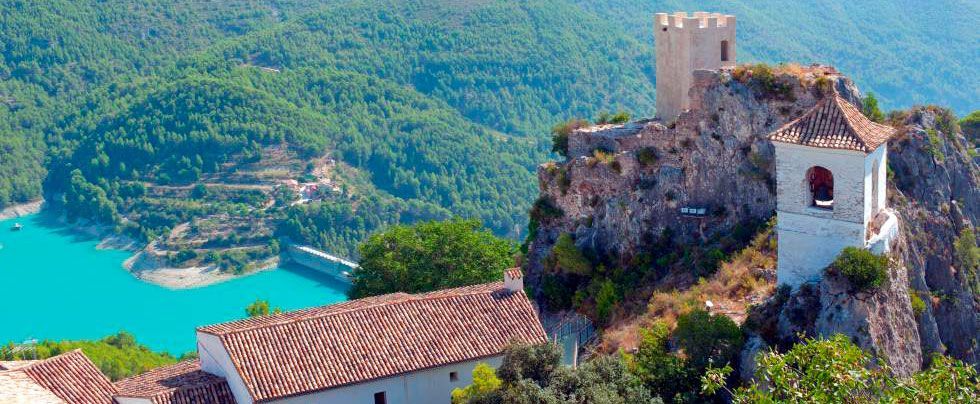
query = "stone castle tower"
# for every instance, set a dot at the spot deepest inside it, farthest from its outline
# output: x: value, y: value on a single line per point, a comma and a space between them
x: 830, y: 189
x: 685, y: 44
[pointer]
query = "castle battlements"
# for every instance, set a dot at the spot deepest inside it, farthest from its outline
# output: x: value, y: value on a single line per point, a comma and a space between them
x: 701, y: 41
x: 698, y: 19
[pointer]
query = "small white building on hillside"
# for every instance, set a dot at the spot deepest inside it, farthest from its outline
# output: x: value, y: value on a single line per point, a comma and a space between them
x: 390, y: 349
x: 831, y: 173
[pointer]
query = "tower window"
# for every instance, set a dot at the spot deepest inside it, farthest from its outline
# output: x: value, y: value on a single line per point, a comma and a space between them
x: 379, y: 398
x: 453, y: 376
x: 724, y: 51
x: 821, y: 182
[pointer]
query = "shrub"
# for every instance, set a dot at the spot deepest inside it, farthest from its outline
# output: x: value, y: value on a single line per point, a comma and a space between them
x: 862, y: 269
x: 568, y: 258
x: 708, y: 339
x: 967, y: 255
x: 647, y: 156
x: 561, y: 132
x: 918, y: 306
x: 544, y: 208
x: 869, y: 106
x: 605, y: 300
x: 970, y: 125
x: 617, y: 118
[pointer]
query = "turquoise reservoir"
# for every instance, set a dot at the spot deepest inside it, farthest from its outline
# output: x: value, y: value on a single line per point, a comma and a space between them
x: 56, y: 285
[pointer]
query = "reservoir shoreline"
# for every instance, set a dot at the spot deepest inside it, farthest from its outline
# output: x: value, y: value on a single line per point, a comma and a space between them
x: 66, y: 284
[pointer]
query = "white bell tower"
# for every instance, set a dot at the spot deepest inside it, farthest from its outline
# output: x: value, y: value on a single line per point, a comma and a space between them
x: 830, y: 188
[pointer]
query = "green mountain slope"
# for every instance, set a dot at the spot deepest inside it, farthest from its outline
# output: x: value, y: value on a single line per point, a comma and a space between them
x: 906, y: 52
x: 54, y: 51
x: 514, y: 66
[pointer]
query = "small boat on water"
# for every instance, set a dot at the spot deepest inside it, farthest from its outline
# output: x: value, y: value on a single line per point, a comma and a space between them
x: 17, y: 227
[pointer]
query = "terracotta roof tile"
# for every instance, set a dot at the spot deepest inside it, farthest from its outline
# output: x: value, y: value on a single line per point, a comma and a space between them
x: 834, y: 123
x: 360, y: 340
x: 17, y: 387
x: 72, y: 377
x: 181, y: 383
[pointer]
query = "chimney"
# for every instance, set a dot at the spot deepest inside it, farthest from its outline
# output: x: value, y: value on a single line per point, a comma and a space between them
x: 514, y: 280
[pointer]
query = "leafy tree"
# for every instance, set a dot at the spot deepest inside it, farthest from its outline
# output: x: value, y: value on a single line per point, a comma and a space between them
x: 568, y: 258
x: 534, y: 374
x: 430, y: 256
x: 837, y: 371
x: 869, y: 106
x: 707, y: 339
x: 970, y: 125
x: 485, y: 381
x: 117, y: 356
x: 663, y: 373
x: 260, y: 308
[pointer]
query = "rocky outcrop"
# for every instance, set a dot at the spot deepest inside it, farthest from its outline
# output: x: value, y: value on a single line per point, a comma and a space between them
x: 937, y: 195
x: 880, y: 322
x: 622, y: 186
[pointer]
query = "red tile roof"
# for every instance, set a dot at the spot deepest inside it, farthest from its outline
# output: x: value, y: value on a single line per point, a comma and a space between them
x: 181, y: 383
x: 72, y: 377
x: 325, y: 347
x: 834, y: 123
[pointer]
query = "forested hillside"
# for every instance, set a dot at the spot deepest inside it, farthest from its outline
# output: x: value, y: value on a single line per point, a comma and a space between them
x: 148, y: 114
x: 906, y: 52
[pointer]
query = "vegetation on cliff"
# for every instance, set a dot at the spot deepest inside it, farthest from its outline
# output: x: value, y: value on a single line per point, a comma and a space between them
x: 836, y: 370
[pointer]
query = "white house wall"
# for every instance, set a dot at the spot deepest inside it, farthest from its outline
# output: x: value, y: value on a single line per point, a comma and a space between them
x: 422, y: 387
x: 215, y: 360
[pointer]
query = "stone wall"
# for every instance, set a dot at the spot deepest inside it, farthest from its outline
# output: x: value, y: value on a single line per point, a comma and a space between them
x: 685, y: 44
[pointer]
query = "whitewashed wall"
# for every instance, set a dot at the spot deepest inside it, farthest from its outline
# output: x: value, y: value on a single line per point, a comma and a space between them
x: 421, y: 387
x: 215, y: 360
x: 811, y: 238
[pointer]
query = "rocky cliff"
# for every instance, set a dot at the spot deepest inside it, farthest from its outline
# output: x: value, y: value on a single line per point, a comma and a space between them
x: 708, y: 176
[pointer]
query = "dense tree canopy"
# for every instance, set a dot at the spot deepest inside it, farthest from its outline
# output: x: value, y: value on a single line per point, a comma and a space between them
x: 837, y: 371
x: 118, y: 356
x: 430, y: 256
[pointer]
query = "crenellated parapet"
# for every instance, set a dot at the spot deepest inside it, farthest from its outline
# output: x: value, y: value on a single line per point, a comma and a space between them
x: 685, y: 43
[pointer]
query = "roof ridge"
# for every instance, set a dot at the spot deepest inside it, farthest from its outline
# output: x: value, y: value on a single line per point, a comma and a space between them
x: 847, y: 122
x: 379, y: 300
x: 41, y: 362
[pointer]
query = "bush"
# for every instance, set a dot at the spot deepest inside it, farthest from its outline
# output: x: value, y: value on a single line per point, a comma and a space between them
x: 544, y: 208
x: 967, y: 256
x: 918, y: 305
x: 708, y: 339
x: 647, y: 156
x: 869, y: 106
x: 605, y: 300
x: 862, y: 269
x: 561, y: 132
x: 568, y: 258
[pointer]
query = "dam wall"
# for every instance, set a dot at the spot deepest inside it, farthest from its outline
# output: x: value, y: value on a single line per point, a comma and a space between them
x: 320, y: 261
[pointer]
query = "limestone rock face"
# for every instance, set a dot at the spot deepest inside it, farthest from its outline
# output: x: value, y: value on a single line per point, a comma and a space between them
x: 880, y: 322
x: 621, y: 186
x: 937, y: 195
x: 715, y: 156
